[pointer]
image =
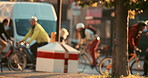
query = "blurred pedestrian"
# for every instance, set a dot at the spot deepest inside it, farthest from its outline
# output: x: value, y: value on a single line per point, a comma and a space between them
x: 63, y: 35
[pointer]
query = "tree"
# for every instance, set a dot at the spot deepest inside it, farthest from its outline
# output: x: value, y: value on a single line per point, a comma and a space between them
x: 123, y: 10
x: 120, y: 59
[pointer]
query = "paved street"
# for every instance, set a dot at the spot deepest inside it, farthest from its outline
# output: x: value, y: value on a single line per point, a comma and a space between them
x: 88, y: 70
x: 31, y: 74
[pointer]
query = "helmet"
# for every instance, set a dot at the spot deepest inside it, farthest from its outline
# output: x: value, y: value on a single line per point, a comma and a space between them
x: 34, y: 18
x: 80, y: 25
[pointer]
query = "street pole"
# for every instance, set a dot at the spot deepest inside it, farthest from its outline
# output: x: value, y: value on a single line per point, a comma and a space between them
x: 59, y: 19
x: 71, y: 25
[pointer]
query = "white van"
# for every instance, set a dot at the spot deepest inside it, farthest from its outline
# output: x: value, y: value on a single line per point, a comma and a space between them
x: 21, y: 12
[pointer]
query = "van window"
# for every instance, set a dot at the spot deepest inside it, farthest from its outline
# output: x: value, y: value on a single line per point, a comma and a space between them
x: 49, y: 26
x: 23, y: 26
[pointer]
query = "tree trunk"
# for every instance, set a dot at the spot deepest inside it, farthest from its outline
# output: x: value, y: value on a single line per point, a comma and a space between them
x: 120, y: 56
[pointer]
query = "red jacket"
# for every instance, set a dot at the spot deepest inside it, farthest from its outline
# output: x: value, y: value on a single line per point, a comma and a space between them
x: 133, y: 36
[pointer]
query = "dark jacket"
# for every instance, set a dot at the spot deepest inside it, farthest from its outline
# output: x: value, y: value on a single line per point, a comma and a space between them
x: 3, y: 31
x: 133, y: 36
x: 82, y: 33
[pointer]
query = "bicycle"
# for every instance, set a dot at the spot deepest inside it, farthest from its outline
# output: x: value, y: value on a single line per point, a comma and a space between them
x: 135, y: 68
x: 6, y: 54
x: 23, y: 56
x: 85, y: 58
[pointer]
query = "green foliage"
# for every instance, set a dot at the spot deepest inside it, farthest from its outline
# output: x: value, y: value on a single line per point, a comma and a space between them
x: 134, y: 6
x: 137, y: 5
x: 86, y: 3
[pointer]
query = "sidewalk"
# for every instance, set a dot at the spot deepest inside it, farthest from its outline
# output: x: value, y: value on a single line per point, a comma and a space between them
x: 30, y: 74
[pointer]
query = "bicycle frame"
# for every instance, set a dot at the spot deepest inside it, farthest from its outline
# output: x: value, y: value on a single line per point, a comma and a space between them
x: 28, y: 53
x: 134, y: 56
x: 6, y: 55
x: 22, y: 56
x: 86, y: 53
x: 87, y: 57
x: 10, y: 51
x: 25, y: 49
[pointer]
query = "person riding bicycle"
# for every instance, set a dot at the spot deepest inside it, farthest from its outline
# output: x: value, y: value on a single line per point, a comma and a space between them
x: 90, y: 38
x: 3, y: 42
x: 134, y: 35
x: 36, y: 32
x: 146, y: 56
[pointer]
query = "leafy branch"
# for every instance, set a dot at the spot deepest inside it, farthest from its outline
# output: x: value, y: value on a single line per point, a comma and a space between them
x: 134, y: 6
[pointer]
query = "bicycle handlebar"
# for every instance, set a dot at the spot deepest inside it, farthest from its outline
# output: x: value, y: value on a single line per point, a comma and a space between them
x: 138, y: 50
x: 11, y: 42
x: 23, y: 44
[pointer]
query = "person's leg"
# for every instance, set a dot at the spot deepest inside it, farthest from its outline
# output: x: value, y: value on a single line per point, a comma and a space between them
x: 42, y: 44
x: 145, y: 66
x: 93, y: 48
x: 34, y: 47
x: 61, y: 39
x: 130, y: 51
x: 3, y: 45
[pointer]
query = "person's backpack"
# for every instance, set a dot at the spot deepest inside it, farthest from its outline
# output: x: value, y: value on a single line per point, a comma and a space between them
x: 92, y: 29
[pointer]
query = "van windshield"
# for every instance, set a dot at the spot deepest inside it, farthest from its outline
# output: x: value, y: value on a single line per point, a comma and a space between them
x: 23, y: 26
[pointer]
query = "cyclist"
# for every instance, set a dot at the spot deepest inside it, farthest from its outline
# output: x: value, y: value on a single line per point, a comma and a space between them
x: 37, y: 33
x: 146, y: 56
x: 90, y: 38
x: 3, y: 42
x: 134, y: 35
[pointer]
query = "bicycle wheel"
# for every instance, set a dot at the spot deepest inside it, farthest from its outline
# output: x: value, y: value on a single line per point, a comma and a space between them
x: 137, y: 67
x: 105, y: 66
x: 17, y: 62
x: 98, y: 62
x: 81, y: 62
